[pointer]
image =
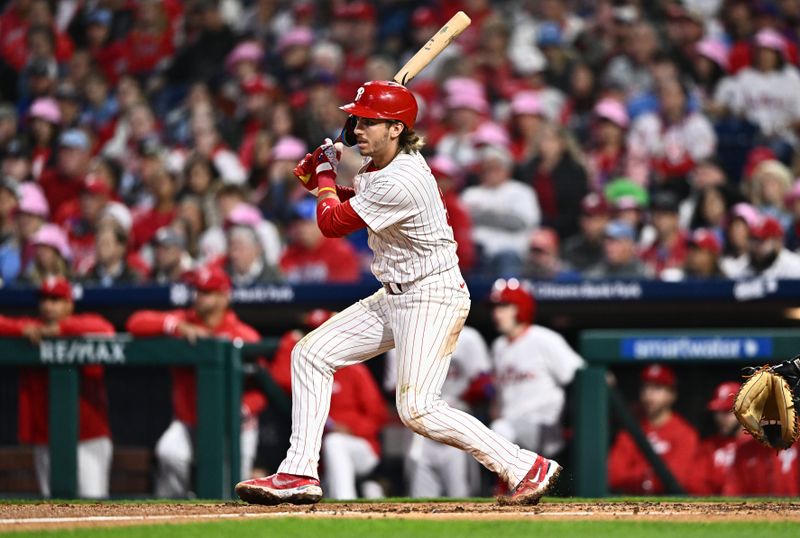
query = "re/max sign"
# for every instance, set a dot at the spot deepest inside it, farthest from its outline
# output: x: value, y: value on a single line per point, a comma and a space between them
x: 81, y: 352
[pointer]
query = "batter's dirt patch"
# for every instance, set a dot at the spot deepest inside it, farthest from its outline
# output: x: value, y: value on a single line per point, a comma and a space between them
x: 50, y: 515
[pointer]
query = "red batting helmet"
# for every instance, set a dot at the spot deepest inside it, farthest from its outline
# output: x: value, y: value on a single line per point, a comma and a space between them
x: 512, y: 292
x: 384, y: 100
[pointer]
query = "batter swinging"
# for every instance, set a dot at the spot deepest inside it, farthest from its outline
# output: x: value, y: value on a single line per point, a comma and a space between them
x: 419, y: 311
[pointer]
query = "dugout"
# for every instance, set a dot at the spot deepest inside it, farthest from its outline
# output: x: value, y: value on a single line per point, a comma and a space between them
x: 709, y: 356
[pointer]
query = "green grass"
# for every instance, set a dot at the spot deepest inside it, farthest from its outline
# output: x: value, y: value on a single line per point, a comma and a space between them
x: 380, y: 528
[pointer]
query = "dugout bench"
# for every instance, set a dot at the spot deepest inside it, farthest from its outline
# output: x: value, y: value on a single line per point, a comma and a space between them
x: 594, y: 398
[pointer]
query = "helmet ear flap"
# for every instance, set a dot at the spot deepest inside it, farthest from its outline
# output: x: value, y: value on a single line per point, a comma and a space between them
x: 348, y: 134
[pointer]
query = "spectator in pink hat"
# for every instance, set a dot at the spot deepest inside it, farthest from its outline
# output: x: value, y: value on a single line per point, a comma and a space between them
x: 294, y: 57
x: 607, y: 155
x: 244, y: 61
x: 466, y: 110
x: 52, y: 255
x: 709, y: 66
x: 525, y: 125
x: 44, y: 119
x: 273, y: 185
x: 742, y: 218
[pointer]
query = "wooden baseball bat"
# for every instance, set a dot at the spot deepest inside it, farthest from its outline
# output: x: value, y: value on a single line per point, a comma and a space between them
x: 435, y: 45
x: 425, y: 55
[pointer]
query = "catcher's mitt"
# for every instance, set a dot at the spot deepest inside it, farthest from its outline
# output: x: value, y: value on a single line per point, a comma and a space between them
x: 768, y: 401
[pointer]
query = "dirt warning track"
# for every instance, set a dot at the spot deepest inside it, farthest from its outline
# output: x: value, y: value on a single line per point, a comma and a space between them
x: 68, y: 515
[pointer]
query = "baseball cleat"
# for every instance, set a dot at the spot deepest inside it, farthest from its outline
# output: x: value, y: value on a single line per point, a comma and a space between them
x: 537, y: 482
x: 280, y: 488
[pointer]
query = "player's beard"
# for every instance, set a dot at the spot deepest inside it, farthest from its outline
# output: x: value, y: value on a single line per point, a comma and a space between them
x: 374, y: 147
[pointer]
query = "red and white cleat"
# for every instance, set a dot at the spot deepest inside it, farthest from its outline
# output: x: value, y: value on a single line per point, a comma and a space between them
x: 280, y: 488
x: 537, y: 482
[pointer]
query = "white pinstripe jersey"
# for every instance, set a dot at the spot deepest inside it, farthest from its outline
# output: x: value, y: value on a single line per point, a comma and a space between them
x: 409, y: 232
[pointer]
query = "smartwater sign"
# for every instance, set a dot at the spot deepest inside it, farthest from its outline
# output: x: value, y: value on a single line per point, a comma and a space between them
x: 696, y: 347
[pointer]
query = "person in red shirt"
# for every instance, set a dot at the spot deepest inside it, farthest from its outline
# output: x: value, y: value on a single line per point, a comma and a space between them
x: 350, y: 445
x: 673, y: 439
x: 56, y: 319
x: 164, y: 186
x: 311, y: 257
x: 64, y: 183
x: 209, y: 316
x: 718, y: 450
x: 760, y: 471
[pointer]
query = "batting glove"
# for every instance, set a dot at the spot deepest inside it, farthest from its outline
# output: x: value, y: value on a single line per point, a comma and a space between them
x: 304, y: 171
x: 326, y: 158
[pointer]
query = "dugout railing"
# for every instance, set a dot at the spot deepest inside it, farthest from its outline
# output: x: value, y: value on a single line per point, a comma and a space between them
x: 218, y: 365
x: 602, y: 349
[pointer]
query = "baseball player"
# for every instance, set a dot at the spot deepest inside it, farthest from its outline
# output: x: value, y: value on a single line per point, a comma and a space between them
x: 532, y: 364
x: 350, y: 445
x: 434, y: 469
x: 94, y: 445
x: 718, y: 450
x: 419, y: 310
x: 210, y: 316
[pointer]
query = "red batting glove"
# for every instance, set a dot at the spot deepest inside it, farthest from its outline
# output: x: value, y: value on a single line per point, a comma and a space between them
x: 304, y: 171
x: 326, y: 158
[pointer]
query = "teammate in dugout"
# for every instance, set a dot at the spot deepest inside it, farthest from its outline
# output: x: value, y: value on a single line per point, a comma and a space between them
x: 434, y: 469
x: 56, y: 319
x: 532, y: 365
x: 350, y: 444
x: 209, y: 316
x: 420, y: 309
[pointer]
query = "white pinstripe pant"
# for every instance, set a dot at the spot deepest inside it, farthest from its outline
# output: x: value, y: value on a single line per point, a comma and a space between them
x: 423, y: 324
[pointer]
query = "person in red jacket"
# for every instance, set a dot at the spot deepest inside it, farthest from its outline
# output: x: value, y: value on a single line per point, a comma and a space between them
x: 350, y: 445
x: 761, y: 471
x: 673, y: 439
x: 209, y: 316
x: 94, y: 445
x: 718, y: 450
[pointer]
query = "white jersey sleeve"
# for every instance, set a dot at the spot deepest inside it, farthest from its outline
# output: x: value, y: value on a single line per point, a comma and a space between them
x: 561, y: 360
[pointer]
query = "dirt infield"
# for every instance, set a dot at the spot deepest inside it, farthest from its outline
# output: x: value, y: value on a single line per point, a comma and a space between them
x: 36, y: 516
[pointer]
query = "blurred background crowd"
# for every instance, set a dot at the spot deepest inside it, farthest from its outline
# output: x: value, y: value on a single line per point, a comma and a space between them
x: 140, y: 139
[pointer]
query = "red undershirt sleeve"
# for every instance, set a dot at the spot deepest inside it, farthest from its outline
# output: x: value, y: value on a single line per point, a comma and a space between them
x: 334, y: 218
x: 345, y: 193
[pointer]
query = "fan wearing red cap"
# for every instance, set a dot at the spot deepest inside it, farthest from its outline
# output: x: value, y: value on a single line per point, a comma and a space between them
x: 56, y: 319
x: 703, y: 255
x: 673, y: 439
x: 532, y: 365
x: 767, y: 255
x: 718, y: 450
x: 585, y: 249
x: 351, y: 441
x: 209, y: 316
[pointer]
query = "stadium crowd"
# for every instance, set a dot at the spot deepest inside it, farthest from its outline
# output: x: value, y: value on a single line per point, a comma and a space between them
x: 571, y: 139
x: 144, y: 141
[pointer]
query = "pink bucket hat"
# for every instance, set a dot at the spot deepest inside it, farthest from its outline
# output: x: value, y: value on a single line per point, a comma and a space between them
x: 469, y: 101
x: 288, y: 148
x: 244, y: 214
x: 770, y: 39
x: 464, y: 85
x: 296, y: 37
x: 613, y: 111
x: 491, y: 134
x: 714, y: 50
x: 747, y: 213
x: 249, y: 51
x: 527, y: 102
x: 52, y: 236
x: 443, y: 166
x: 32, y: 200
x: 45, y: 108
